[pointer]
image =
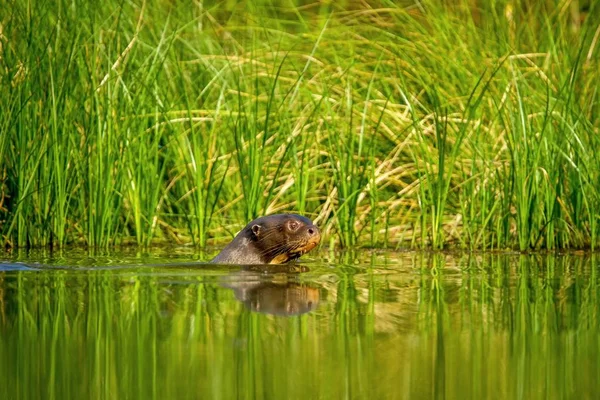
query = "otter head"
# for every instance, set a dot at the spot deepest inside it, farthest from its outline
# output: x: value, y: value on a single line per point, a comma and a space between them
x: 274, y: 239
x: 283, y: 237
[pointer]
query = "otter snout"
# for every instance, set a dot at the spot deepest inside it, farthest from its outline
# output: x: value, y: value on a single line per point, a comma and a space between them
x: 313, y: 235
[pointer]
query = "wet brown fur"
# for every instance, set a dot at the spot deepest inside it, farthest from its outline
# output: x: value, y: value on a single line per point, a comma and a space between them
x: 274, y: 239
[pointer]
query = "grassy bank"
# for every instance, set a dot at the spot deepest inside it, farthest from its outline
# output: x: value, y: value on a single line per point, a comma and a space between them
x: 419, y: 124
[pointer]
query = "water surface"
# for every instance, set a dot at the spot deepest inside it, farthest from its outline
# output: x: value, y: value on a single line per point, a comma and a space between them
x: 382, y: 325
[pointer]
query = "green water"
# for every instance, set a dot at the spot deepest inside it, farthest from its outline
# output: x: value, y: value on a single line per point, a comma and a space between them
x: 377, y: 325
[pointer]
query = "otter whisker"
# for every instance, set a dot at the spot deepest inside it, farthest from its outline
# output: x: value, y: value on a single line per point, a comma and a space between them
x: 275, y: 250
x: 267, y: 234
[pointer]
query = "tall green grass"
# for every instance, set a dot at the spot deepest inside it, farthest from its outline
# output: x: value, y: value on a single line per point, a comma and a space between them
x: 428, y: 124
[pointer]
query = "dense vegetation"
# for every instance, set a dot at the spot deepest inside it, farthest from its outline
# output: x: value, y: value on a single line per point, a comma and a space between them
x: 422, y: 123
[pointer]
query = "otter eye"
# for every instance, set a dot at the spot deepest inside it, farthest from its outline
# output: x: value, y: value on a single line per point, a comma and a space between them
x: 293, y: 225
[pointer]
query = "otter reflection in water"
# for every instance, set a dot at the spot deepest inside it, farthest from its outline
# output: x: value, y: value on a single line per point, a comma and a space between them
x: 275, y: 291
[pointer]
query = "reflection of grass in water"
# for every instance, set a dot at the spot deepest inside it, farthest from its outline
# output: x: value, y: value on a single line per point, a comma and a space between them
x: 422, y: 325
x: 430, y: 125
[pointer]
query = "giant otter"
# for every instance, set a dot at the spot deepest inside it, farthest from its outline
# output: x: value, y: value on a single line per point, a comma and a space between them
x: 274, y: 239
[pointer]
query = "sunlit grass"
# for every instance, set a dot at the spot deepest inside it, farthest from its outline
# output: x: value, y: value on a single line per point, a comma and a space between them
x: 414, y: 124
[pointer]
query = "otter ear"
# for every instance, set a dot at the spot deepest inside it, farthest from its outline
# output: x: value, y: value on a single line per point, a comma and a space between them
x: 256, y: 229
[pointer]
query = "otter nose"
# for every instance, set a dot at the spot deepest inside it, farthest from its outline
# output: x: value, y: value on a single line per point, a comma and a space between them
x: 313, y: 230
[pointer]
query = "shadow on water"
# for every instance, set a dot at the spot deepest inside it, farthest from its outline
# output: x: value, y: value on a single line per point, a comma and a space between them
x: 377, y: 325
